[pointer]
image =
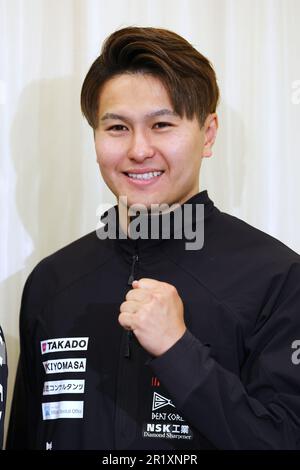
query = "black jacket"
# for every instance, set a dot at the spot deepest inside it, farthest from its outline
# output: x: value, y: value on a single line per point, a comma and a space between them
x: 231, y: 382
x: 3, y: 384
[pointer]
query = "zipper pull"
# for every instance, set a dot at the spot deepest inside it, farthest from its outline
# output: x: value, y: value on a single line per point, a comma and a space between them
x: 135, y: 259
x: 127, y: 353
x: 129, y: 333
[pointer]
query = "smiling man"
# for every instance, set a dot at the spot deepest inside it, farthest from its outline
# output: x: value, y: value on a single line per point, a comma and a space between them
x: 136, y: 342
x: 146, y: 150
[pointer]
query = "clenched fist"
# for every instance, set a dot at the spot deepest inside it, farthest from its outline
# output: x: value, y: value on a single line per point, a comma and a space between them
x: 153, y: 310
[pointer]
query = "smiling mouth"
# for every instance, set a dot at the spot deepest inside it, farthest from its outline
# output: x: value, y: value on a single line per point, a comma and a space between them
x: 147, y: 176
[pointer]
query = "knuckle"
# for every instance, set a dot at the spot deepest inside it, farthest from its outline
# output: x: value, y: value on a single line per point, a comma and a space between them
x: 152, y: 302
x: 128, y: 295
x: 172, y: 289
x: 157, y: 299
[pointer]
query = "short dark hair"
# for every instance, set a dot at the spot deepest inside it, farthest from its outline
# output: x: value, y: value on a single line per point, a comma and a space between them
x: 187, y: 75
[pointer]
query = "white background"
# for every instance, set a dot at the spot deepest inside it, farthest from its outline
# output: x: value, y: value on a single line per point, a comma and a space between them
x: 49, y: 182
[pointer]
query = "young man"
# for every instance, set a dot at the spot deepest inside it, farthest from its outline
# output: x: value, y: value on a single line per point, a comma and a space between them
x: 143, y: 342
x: 3, y: 384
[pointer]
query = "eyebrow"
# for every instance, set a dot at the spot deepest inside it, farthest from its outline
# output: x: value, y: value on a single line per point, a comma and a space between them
x: 159, y: 112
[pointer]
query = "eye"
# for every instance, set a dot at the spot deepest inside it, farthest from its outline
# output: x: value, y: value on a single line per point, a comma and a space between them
x: 162, y: 125
x: 117, y: 127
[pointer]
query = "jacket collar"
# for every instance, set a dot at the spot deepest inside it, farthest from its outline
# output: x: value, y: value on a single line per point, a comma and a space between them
x: 147, y: 246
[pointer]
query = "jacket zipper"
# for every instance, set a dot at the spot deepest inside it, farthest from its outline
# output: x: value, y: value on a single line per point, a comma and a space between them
x: 135, y: 259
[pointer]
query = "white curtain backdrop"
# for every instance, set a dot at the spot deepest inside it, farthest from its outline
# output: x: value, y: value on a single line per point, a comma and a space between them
x: 50, y: 186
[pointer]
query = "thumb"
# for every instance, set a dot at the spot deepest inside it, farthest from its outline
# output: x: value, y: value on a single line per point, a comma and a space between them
x: 146, y: 283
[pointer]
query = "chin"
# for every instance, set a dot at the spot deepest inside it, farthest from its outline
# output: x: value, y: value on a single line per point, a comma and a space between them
x: 148, y: 201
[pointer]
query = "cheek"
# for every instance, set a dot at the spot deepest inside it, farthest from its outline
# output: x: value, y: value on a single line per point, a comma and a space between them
x: 174, y: 149
x: 108, y: 155
x: 182, y: 152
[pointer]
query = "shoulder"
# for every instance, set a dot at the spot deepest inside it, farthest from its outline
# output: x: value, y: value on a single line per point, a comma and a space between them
x: 246, y: 267
x: 230, y: 241
x: 227, y: 235
x: 64, y: 267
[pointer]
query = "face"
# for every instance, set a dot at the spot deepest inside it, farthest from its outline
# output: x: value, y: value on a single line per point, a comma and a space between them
x: 145, y: 151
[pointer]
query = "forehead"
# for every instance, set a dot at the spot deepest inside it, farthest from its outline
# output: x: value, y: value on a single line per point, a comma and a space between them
x: 134, y: 91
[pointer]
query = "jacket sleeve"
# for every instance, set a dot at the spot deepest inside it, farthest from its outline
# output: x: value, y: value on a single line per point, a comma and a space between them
x: 3, y: 384
x: 260, y: 407
x: 25, y: 410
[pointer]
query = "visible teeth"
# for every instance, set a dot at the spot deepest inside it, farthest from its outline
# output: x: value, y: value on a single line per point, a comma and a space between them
x: 144, y: 176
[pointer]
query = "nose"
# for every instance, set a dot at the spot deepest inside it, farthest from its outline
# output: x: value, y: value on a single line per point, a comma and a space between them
x: 140, y: 147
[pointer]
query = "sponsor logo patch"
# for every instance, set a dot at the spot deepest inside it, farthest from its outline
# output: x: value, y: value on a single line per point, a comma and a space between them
x: 64, y: 344
x: 167, y: 431
x: 57, y: 387
x: 165, y: 424
x: 58, y: 366
x: 62, y: 409
x: 159, y: 401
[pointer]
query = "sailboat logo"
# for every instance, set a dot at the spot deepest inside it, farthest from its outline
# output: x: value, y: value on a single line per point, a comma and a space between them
x: 159, y: 401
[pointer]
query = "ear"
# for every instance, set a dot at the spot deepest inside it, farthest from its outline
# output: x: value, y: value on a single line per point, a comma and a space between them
x: 210, y: 133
